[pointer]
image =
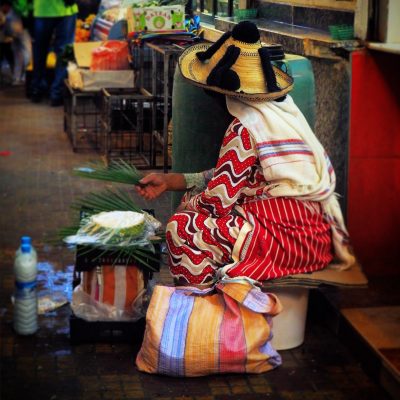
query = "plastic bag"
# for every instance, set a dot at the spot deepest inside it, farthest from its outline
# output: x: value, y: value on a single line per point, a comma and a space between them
x: 111, y: 55
x: 151, y: 225
x: 74, y: 76
x: 111, y: 293
x: 54, y: 287
x: 107, y: 4
x: 222, y: 329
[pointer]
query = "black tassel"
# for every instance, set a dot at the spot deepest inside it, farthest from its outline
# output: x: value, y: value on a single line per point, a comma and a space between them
x: 246, y: 31
x: 206, y: 55
x: 269, y: 73
x: 221, y: 75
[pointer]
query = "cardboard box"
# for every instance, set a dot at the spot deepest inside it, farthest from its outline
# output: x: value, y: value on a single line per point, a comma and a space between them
x: 352, y: 277
x: 156, y: 19
x: 96, y: 80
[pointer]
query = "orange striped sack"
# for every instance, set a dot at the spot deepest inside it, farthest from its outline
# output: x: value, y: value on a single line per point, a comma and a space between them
x: 110, y: 293
x: 194, y: 332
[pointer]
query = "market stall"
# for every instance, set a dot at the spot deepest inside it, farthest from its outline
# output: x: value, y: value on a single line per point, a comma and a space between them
x: 122, y: 51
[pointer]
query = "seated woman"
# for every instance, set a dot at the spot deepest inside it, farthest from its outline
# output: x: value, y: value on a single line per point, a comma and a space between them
x: 268, y: 209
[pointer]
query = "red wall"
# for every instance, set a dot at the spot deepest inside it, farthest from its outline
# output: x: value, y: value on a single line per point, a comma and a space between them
x: 373, y: 214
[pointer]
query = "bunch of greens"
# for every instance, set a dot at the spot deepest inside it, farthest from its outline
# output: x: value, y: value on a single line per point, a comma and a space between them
x: 118, y: 171
x: 111, y: 200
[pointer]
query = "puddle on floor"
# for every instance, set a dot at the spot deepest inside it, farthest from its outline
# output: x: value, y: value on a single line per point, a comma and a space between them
x: 54, y: 287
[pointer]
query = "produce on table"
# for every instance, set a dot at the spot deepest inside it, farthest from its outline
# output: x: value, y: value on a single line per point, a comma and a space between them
x: 119, y: 225
x: 82, y: 30
x: 142, y: 249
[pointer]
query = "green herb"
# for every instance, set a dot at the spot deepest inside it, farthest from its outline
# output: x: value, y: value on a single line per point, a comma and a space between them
x: 118, y: 171
x: 107, y: 200
x: 111, y: 200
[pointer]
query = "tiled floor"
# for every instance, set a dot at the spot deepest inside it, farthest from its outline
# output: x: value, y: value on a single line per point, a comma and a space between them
x: 36, y: 191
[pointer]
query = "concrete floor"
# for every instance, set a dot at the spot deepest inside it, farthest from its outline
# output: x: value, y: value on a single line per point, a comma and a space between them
x: 36, y: 192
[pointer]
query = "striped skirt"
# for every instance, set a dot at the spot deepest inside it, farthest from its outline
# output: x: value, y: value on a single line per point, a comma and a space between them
x: 263, y: 239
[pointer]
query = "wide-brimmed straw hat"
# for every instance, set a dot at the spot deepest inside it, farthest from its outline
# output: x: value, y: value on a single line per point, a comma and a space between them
x: 236, y: 65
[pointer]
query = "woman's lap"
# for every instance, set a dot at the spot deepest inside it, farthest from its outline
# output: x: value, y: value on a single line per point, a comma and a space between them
x: 287, y: 236
x: 198, y: 244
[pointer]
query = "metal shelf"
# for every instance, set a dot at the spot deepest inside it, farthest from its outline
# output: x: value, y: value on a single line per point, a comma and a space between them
x: 123, y: 126
x: 81, y: 117
x: 164, y: 58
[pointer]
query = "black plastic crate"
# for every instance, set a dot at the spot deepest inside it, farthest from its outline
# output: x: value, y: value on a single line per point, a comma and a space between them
x: 82, y: 118
x: 82, y: 331
x: 126, y: 122
x: 88, y: 258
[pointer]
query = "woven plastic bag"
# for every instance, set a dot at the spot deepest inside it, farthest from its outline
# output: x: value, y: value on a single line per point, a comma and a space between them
x: 194, y: 332
x: 110, y: 293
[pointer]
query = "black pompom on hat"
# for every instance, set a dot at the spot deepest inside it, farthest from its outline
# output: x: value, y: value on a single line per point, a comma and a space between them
x: 246, y: 31
x: 237, y: 64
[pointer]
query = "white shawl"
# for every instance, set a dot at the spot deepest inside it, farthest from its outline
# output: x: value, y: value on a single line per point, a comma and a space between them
x: 294, y: 162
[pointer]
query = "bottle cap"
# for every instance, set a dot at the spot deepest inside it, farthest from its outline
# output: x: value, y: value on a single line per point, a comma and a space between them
x: 26, y: 248
x: 26, y: 240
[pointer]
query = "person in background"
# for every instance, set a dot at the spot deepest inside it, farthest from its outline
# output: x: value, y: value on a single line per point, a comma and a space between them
x: 5, y: 47
x: 24, y: 8
x: 18, y: 41
x: 268, y: 209
x: 54, y: 23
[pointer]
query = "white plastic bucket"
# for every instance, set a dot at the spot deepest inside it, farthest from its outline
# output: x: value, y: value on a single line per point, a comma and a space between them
x: 289, y: 326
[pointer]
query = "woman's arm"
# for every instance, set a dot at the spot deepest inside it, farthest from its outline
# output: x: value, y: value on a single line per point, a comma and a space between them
x: 198, y: 181
x: 154, y: 184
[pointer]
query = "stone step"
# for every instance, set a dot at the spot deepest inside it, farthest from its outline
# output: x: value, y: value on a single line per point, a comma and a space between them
x: 367, y: 321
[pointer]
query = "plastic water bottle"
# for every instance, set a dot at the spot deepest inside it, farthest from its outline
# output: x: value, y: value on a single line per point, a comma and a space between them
x: 25, y: 295
x: 26, y: 240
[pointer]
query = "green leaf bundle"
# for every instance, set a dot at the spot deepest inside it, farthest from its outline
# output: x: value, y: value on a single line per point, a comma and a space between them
x: 111, y: 200
x: 96, y: 202
x: 107, y: 200
x: 118, y: 171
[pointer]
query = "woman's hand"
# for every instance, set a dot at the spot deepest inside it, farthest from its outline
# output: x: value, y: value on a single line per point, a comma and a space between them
x: 152, y: 186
